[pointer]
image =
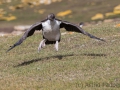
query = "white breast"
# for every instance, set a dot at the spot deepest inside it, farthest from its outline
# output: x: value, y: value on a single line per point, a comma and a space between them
x: 51, y: 30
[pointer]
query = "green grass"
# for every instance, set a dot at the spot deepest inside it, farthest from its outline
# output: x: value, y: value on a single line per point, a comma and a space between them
x: 80, y: 64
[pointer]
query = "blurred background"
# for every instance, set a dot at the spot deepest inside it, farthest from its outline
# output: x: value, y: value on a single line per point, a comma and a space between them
x: 20, y: 14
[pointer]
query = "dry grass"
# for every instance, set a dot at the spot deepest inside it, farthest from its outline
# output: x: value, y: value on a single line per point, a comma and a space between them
x: 80, y: 64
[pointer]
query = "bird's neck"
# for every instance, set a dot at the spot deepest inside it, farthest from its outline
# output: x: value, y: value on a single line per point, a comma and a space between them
x: 52, y: 22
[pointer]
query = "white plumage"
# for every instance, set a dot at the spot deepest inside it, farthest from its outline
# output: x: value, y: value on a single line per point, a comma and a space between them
x: 51, y: 30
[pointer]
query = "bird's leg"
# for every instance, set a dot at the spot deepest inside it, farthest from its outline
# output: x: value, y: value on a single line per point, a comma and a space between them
x: 56, y: 45
x: 41, y: 45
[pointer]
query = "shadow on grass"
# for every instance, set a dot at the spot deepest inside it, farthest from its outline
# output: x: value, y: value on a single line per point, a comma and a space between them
x: 58, y: 57
x: 41, y: 59
x: 95, y: 55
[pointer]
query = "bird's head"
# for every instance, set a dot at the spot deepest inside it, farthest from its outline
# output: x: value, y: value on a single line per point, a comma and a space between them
x: 81, y: 24
x: 51, y: 17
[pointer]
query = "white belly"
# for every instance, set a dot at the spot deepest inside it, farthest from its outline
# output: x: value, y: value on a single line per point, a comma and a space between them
x: 51, y: 31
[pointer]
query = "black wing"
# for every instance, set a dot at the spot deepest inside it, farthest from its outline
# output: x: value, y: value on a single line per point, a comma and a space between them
x: 72, y: 27
x: 29, y: 32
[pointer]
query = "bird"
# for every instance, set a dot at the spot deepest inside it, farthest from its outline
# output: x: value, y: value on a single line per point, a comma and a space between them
x: 50, y: 27
x: 81, y: 24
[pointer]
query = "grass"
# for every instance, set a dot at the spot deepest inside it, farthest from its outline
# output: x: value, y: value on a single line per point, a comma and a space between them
x: 80, y: 64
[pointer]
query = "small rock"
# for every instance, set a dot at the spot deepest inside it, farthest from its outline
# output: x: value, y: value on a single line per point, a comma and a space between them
x: 21, y: 27
x: 108, y: 20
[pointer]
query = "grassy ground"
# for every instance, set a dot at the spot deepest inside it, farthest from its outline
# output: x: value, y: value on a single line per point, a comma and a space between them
x: 80, y: 64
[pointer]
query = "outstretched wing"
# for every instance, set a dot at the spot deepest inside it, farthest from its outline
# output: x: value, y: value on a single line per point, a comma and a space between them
x: 29, y: 32
x: 72, y: 27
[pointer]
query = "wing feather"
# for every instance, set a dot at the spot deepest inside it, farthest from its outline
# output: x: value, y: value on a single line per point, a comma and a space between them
x: 72, y: 27
x: 29, y: 32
